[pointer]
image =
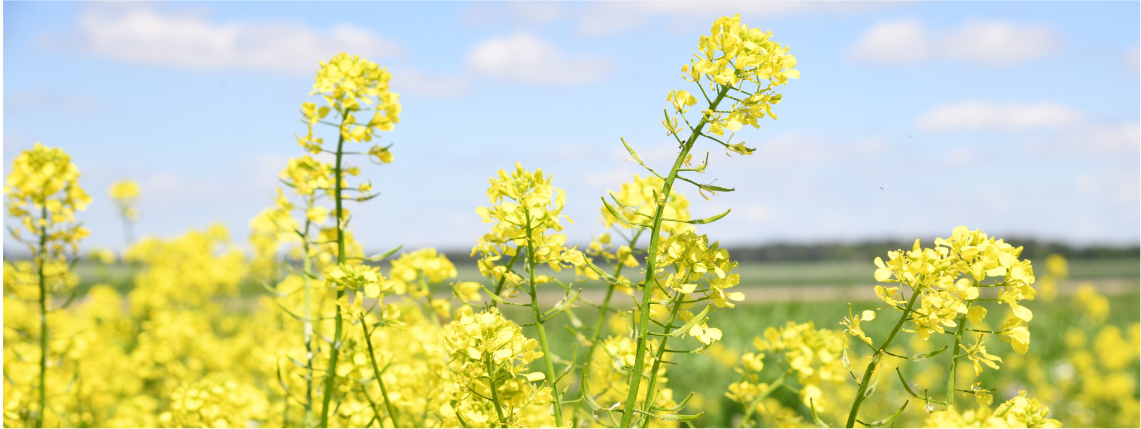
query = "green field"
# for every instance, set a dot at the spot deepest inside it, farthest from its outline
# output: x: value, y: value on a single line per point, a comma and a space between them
x: 850, y: 273
x: 706, y: 376
x: 830, y: 273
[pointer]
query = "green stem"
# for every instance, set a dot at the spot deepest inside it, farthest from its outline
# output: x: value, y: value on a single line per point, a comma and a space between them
x: 651, y: 390
x: 548, y: 360
x: 861, y: 392
x: 503, y: 280
x: 308, y: 326
x: 955, y: 362
x: 494, y: 391
x: 338, y: 319
x: 651, y: 261
x: 756, y: 401
x: 43, y: 316
x: 600, y: 324
x: 376, y: 371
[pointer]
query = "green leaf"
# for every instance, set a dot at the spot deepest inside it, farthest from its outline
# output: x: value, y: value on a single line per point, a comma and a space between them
x: 678, y: 407
x: 926, y: 355
x: 701, y: 221
x: 586, y: 389
x: 383, y: 256
x: 673, y: 417
x: 570, y: 367
x: 889, y: 420
x: 620, y: 216
x: 295, y: 316
x: 631, y: 150
x: 562, y: 306
x: 815, y: 417
x: 609, y: 278
x: 707, y: 187
x: 691, y: 323
x: 272, y: 291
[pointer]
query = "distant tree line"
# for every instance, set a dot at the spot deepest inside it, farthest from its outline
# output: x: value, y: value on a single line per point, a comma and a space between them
x: 856, y: 252
x: 867, y: 250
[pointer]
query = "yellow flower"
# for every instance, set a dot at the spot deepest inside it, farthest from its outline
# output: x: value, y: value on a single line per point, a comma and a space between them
x: 978, y: 355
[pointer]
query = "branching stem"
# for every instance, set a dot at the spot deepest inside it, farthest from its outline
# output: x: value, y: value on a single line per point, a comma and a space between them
x: 651, y: 267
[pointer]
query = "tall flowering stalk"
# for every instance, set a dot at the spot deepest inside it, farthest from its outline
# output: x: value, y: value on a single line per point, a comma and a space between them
x: 735, y: 70
x: 43, y: 193
x: 946, y: 285
x: 526, y: 224
x: 635, y: 197
x: 125, y: 193
x: 352, y: 88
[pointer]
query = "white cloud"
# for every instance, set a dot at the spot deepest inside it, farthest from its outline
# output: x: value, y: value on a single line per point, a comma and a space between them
x: 187, y: 39
x: 1121, y: 141
x: 1113, y: 185
x: 989, y: 43
x: 1131, y: 61
x: 413, y: 81
x: 526, y: 13
x: 525, y: 58
x: 998, y: 43
x: 982, y: 115
x: 894, y: 42
x: 57, y: 101
x: 799, y: 148
x: 606, y: 18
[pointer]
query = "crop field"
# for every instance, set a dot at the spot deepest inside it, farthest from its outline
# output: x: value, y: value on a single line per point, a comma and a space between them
x: 652, y: 323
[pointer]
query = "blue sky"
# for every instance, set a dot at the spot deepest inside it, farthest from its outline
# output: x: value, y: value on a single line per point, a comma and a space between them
x: 1015, y: 118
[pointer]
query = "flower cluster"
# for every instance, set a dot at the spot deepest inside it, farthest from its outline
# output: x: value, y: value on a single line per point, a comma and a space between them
x: 525, y: 211
x: 610, y: 367
x: 949, y: 279
x: 1019, y: 412
x: 412, y: 271
x: 699, y: 267
x: 215, y: 404
x: 731, y: 55
x: 813, y: 356
x: 44, y: 194
x: 125, y: 193
x: 351, y: 84
x: 489, y: 355
x: 307, y: 176
x: 638, y: 201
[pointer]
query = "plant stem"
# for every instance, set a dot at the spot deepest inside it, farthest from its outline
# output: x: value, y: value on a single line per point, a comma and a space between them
x: 376, y: 371
x: 548, y: 360
x: 760, y: 397
x: 601, y: 323
x: 503, y: 280
x: 494, y: 391
x: 651, y: 393
x: 338, y: 319
x: 955, y: 362
x: 860, y: 393
x: 651, y: 261
x: 308, y: 326
x: 43, y: 316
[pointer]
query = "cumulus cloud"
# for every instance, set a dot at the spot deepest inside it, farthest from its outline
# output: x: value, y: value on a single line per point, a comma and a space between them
x: 432, y: 85
x: 526, y: 13
x: 1119, y: 141
x: 606, y: 18
x: 188, y: 39
x: 525, y: 58
x: 1131, y: 61
x: 57, y: 101
x: 989, y: 43
x: 989, y: 115
x: 800, y: 148
x: 894, y: 42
